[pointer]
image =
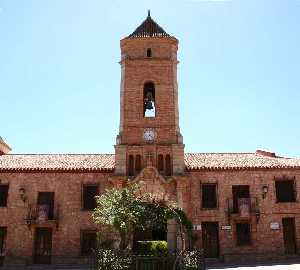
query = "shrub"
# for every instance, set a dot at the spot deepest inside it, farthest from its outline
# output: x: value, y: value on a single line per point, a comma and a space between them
x: 156, y: 248
x: 112, y: 260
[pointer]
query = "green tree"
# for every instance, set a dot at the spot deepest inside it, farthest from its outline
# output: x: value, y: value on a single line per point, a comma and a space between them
x: 121, y: 210
x: 127, y: 209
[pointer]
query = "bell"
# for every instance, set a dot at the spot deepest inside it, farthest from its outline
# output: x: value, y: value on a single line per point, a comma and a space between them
x: 149, y: 105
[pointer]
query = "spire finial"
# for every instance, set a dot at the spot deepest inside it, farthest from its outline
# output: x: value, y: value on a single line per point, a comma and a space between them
x: 148, y: 12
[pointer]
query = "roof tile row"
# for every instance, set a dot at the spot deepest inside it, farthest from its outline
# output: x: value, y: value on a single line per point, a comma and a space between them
x: 106, y: 162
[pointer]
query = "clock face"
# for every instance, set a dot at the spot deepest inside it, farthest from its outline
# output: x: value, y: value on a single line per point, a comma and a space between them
x: 149, y: 135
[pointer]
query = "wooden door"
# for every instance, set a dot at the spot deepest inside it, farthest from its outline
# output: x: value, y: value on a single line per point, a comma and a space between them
x: 289, y: 235
x: 2, y: 244
x: 43, y: 246
x: 210, y: 239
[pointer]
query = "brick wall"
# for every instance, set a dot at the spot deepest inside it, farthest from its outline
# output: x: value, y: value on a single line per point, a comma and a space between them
x: 67, y: 188
x: 264, y: 240
x: 184, y: 189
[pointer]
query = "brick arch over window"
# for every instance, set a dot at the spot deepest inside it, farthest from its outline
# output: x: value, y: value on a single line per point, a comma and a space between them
x: 149, y: 100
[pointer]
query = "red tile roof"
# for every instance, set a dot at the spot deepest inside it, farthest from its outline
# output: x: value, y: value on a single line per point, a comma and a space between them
x: 238, y: 161
x: 66, y: 162
x: 106, y: 162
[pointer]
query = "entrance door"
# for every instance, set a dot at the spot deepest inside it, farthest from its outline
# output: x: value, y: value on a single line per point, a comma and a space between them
x: 289, y: 235
x: 43, y: 245
x: 155, y: 234
x: 141, y: 235
x: 210, y: 239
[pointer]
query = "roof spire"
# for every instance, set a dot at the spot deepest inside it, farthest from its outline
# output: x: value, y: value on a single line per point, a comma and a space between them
x: 149, y: 28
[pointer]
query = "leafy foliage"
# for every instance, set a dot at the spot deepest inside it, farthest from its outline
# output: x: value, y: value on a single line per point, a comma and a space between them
x: 120, y: 209
x: 111, y: 260
x: 128, y: 209
x: 192, y: 260
x: 156, y: 248
x: 126, y: 260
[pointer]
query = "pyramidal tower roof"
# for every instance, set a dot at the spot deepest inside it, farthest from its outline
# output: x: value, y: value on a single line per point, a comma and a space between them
x: 149, y: 28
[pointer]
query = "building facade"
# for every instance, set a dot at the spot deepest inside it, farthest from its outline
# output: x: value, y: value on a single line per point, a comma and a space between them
x: 243, y: 205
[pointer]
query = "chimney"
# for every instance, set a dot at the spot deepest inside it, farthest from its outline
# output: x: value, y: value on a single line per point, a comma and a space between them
x: 265, y: 153
x: 4, y: 148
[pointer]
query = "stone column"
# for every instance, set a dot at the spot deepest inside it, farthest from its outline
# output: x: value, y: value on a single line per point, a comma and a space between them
x: 183, y: 199
x: 120, y: 159
x: 172, y: 234
x: 178, y: 159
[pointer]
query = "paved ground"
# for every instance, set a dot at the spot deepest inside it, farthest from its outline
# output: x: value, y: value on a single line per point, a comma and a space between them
x: 269, y: 267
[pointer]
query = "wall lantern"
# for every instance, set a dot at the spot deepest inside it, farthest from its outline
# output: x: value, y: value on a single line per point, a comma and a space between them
x: 264, y: 191
x: 23, y: 195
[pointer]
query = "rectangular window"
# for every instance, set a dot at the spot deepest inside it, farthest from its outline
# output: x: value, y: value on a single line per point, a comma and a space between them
x: 285, y: 190
x: 243, y: 234
x: 3, y: 195
x: 46, y: 204
x: 88, y: 193
x: 209, y: 196
x: 239, y: 192
x: 88, y: 242
x: 3, y: 231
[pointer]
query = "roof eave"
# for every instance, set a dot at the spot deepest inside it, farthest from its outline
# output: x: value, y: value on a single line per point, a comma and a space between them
x: 56, y: 170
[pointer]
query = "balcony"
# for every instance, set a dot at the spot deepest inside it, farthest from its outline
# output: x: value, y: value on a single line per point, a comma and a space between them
x: 42, y: 214
x: 242, y: 209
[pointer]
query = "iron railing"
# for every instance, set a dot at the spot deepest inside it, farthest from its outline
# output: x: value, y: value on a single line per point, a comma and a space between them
x: 42, y: 214
x: 243, y: 208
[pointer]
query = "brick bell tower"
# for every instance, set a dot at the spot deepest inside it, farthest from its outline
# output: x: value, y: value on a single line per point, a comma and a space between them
x: 149, y: 133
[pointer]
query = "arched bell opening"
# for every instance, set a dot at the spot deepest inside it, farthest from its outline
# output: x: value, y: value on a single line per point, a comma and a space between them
x: 149, y: 100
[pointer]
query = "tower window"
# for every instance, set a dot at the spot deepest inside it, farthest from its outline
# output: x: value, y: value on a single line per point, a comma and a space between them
x: 168, y: 165
x: 160, y: 163
x: 149, y: 100
x: 138, y: 163
x: 131, y: 165
x: 149, y: 52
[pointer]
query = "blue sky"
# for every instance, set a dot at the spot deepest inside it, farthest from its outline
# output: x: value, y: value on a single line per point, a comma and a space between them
x: 239, y: 73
